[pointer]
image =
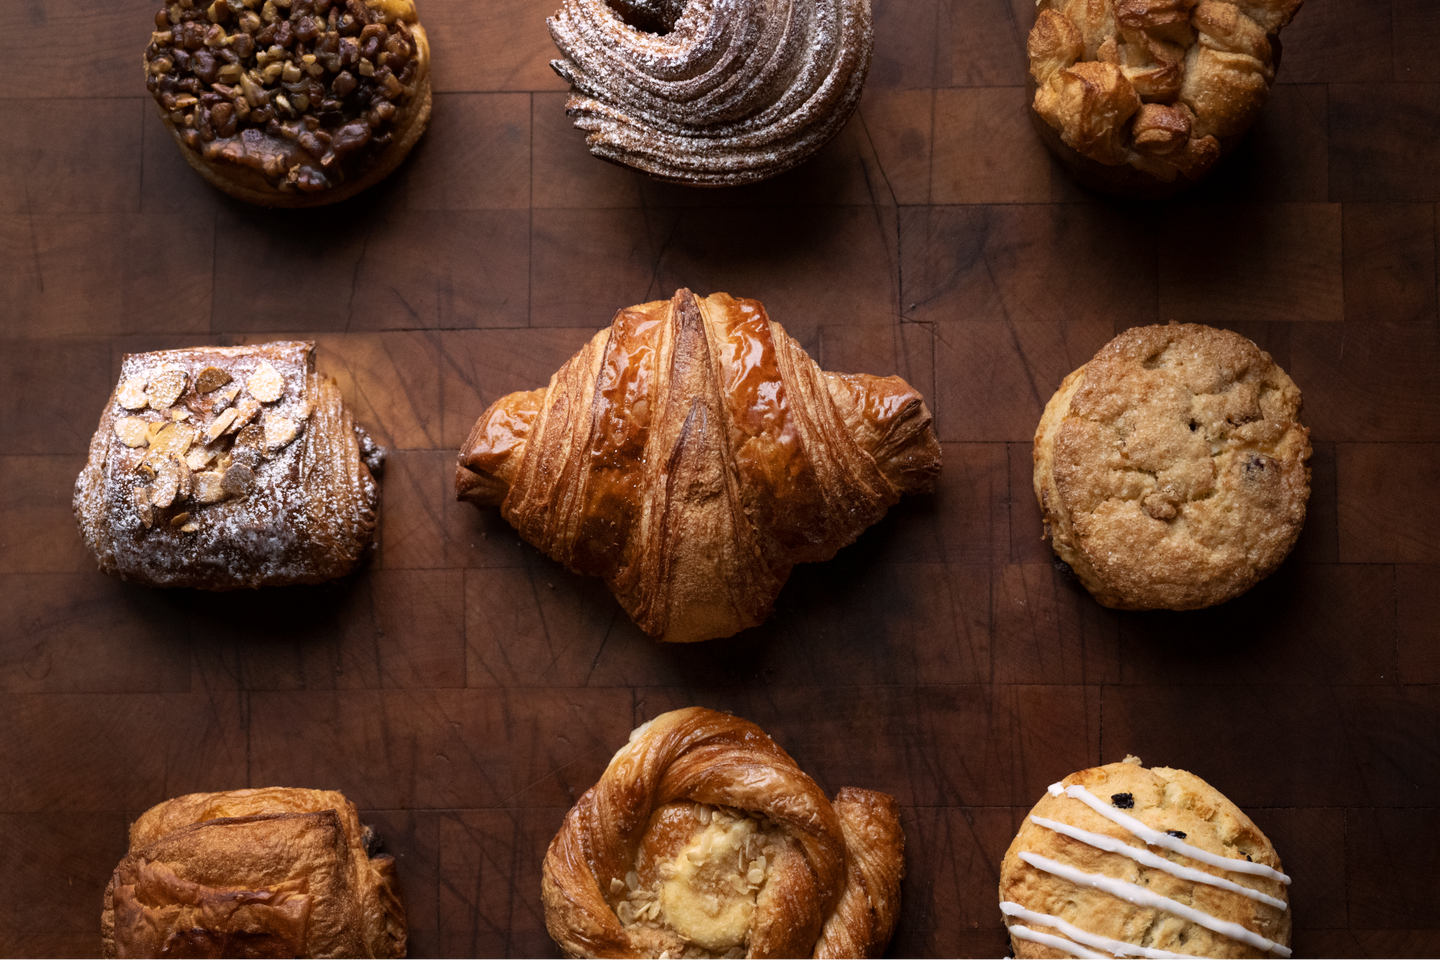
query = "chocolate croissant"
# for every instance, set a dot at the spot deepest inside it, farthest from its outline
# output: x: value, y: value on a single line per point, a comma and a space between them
x: 703, y: 838
x: 691, y: 454
x: 277, y: 872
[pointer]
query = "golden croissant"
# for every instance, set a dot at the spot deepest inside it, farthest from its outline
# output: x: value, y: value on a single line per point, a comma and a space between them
x: 691, y: 454
x: 703, y: 838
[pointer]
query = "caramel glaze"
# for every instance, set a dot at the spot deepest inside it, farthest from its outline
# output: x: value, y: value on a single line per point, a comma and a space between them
x: 697, y: 418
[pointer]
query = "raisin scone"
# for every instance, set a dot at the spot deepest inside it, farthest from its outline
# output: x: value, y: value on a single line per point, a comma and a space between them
x: 228, y: 467
x: 274, y: 872
x: 704, y: 839
x: 1142, y: 97
x: 1172, y: 469
x: 291, y: 103
x: 1123, y: 861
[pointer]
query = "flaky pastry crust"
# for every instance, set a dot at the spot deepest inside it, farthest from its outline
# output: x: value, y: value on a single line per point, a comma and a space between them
x: 711, y: 92
x: 704, y: 839
x: 1135, y: 94
x: 1182, y: 807
x: 275, y: 872
x: 228, y: 467
x: 691, y: 454
x: 1172, y: 469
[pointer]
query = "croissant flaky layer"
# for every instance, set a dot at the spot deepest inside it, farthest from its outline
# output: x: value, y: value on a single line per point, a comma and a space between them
x: 691, y: 454
x: 274, y: 872
x: 703, y: 838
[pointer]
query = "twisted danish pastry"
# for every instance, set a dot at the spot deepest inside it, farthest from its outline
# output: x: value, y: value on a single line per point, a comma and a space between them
x: 691, y: 454
x: 703, y: 838
x: 711, y: 92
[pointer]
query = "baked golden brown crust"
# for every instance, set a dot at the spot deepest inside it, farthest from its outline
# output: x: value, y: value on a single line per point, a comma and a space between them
x: 704, y: 839
x: 277, y: 872
x: 1242, y: 884
x: 291, y: 105
x: 691, y: 454
x: 228, y: 467
x: 1172, y: 469
x: 711, y: 94
x: 1133, y: 95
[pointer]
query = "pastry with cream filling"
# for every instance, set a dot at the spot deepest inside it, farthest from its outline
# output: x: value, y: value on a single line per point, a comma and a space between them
x: 704, y: 839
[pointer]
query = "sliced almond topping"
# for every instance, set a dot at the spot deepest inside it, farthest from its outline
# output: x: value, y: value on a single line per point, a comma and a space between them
x: 132, y: 394
x: 617, y: 886
x: 165, y: 388
x: 177, y: 414
x: 151, y: 429
x: 172, y: 440
x: 279, y: 431
x: 179, y: 519
x: 169, y: 475
x: 142, y: 506
x: 223, y: 398
x: 265, y: 384
x: 209, y: 487
x: 189, y: 528
x: 210, y: 379
x: 146, y: 471
x: 238, y: 480
x: 220, y: 424
x: 132, y: 431
x: 245, y: 411
x: 199, y: 457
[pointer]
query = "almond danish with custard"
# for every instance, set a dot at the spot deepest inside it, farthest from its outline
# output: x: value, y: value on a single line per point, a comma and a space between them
x: 704, y: 839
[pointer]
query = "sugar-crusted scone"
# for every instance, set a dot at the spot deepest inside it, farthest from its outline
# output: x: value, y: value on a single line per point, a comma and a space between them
x: 1172, y: 469
x: 275, y: 872
x: 228, y: 467
x: 704, y: 839
x: 1136, y: 94
x: 1119, y: 855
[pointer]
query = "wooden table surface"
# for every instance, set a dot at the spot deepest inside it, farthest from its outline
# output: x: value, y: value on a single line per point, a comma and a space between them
x: 463, y: 690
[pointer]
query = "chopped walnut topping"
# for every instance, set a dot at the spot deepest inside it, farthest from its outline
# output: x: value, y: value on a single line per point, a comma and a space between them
x: 132, y: 431
x: 132, y: 394
x: 265, y: 384
x: 274, y: 90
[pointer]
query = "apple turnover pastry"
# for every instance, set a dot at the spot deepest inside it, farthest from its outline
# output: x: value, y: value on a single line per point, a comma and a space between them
x: 228, y: 467
x: 276, y: 872
x: 691, y: 454
x: 704, y: 839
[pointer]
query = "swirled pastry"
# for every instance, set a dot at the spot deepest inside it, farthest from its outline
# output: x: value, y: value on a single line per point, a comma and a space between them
x: 704, y: 839
x: 711, y: 92
x: 228, y: 467
x: 1172, y: 469
x: 1119, y: 860
x: 291, y: 103
x: 276, y: 872
x: 691, y: 454
x: 1135, y: 93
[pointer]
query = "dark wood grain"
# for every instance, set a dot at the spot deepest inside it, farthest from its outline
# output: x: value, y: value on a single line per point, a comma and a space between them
x: 464, y: 690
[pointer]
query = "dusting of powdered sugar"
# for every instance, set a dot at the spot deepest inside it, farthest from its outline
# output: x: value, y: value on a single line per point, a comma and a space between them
x: 305, y: 512
x: 736, y: 91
